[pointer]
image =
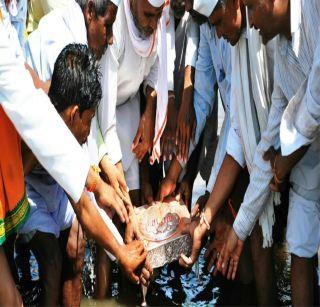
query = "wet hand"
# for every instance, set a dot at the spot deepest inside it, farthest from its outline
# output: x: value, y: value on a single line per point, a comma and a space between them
x: 220, y: 229
x: 229, y: 258
x: 146, y: 274
x: 132, y: 256
x: 198, y: 233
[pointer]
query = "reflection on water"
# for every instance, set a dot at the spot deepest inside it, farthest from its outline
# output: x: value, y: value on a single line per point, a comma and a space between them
x: 173, y: 286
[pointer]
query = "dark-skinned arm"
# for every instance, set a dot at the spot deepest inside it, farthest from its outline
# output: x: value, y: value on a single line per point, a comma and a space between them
x: 143, y: 140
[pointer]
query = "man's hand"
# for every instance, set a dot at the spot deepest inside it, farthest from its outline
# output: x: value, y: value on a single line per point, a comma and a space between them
x: 279, y: 168
x: 146, y: 193
x: 107, y: 198
x: 221, y: 229
x: 146, y: 274
x: 132, y: 229
x: 229, y: 258
x: 167, y: 187
x: 131, y: 256
x: 197, y: 232
x: 199, y: 205
x: 168, y: 139
x: 116, y: 179
x: 143, y: 141
x: 186, y: 125
x: 185, y: 192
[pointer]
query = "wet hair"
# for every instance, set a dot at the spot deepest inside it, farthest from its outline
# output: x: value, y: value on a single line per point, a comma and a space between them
x: 99, y: 6
x: 76, y: 79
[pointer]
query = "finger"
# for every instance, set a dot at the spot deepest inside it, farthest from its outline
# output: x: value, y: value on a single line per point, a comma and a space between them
x: 129, y: 233
x: 146, y: 274
x: 274, y: 187
x: 195, y: 210
x: 136, y: 139
x: 230, y: 269
x: 220, y: 260
x: 142, y: 257
x: 134, y: 278
x: 120, y: 213
x: 185, y: 261
x: 212, y: 261
x: 144, y: 281
x: 235, y: 267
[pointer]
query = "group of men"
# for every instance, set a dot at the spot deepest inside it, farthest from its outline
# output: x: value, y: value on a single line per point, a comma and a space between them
x: 136, y: 82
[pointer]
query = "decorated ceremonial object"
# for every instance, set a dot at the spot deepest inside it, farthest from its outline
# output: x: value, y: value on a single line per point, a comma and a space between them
x: 161, y: 226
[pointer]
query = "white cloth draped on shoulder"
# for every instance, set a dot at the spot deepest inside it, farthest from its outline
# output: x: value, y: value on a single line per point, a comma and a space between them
x: 250, y: 84
x: 144, y: 47
x: 47, y: 41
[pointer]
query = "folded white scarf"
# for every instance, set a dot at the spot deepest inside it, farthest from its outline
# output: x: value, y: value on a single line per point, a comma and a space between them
x: 260, y: 90
x: 144, y: 48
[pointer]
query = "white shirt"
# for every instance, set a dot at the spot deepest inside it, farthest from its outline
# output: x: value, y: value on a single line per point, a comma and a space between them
x: 292, y: 68
x: 38, y: 123
x: 123, y: 73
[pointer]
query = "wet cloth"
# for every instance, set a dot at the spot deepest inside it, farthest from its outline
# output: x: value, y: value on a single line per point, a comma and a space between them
x: 292, y: 69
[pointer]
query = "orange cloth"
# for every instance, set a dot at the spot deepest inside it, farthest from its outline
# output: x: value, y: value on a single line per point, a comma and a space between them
x: 14, y: 205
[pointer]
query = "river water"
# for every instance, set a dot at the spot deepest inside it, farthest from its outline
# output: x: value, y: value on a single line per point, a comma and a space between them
x: 172, y: 285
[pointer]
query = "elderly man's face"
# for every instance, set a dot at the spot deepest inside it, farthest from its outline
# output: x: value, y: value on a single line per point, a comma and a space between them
x: 227, y: 20
x: 145, y: 16
x: 178, y: 7
x: 263, y: 17
x: 99, y: 28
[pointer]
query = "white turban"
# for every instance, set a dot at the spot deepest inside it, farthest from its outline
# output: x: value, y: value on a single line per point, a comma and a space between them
x: 204, y: 7
x: 156, y: 3
x: 116, y: 2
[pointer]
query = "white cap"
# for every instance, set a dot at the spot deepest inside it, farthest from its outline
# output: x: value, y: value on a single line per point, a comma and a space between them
x: 116, y: 2
x: 156, y: 3
x: 204, y: 7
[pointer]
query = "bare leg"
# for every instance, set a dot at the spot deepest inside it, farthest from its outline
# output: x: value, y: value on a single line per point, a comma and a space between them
x: 103, y: 273
x: 9, y: 295
x: 302, y: 274
x: 73, y: 249
x: 46, y: 249
x: 263, y: 269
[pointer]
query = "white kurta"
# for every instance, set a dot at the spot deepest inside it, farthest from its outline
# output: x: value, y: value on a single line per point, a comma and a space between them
x: 42, y: 49
x: 123, y: 73
x: 45, y: 44
x: 38, y: 123
x: 293, y: 66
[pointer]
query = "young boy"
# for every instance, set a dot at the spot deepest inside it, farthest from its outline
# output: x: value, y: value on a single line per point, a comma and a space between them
x: 51, y: 230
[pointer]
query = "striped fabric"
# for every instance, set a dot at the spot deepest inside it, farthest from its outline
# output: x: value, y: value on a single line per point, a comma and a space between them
x: 291, y: 70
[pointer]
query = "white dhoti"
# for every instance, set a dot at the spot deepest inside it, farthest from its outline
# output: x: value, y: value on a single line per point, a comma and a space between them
x: 128, y: 117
